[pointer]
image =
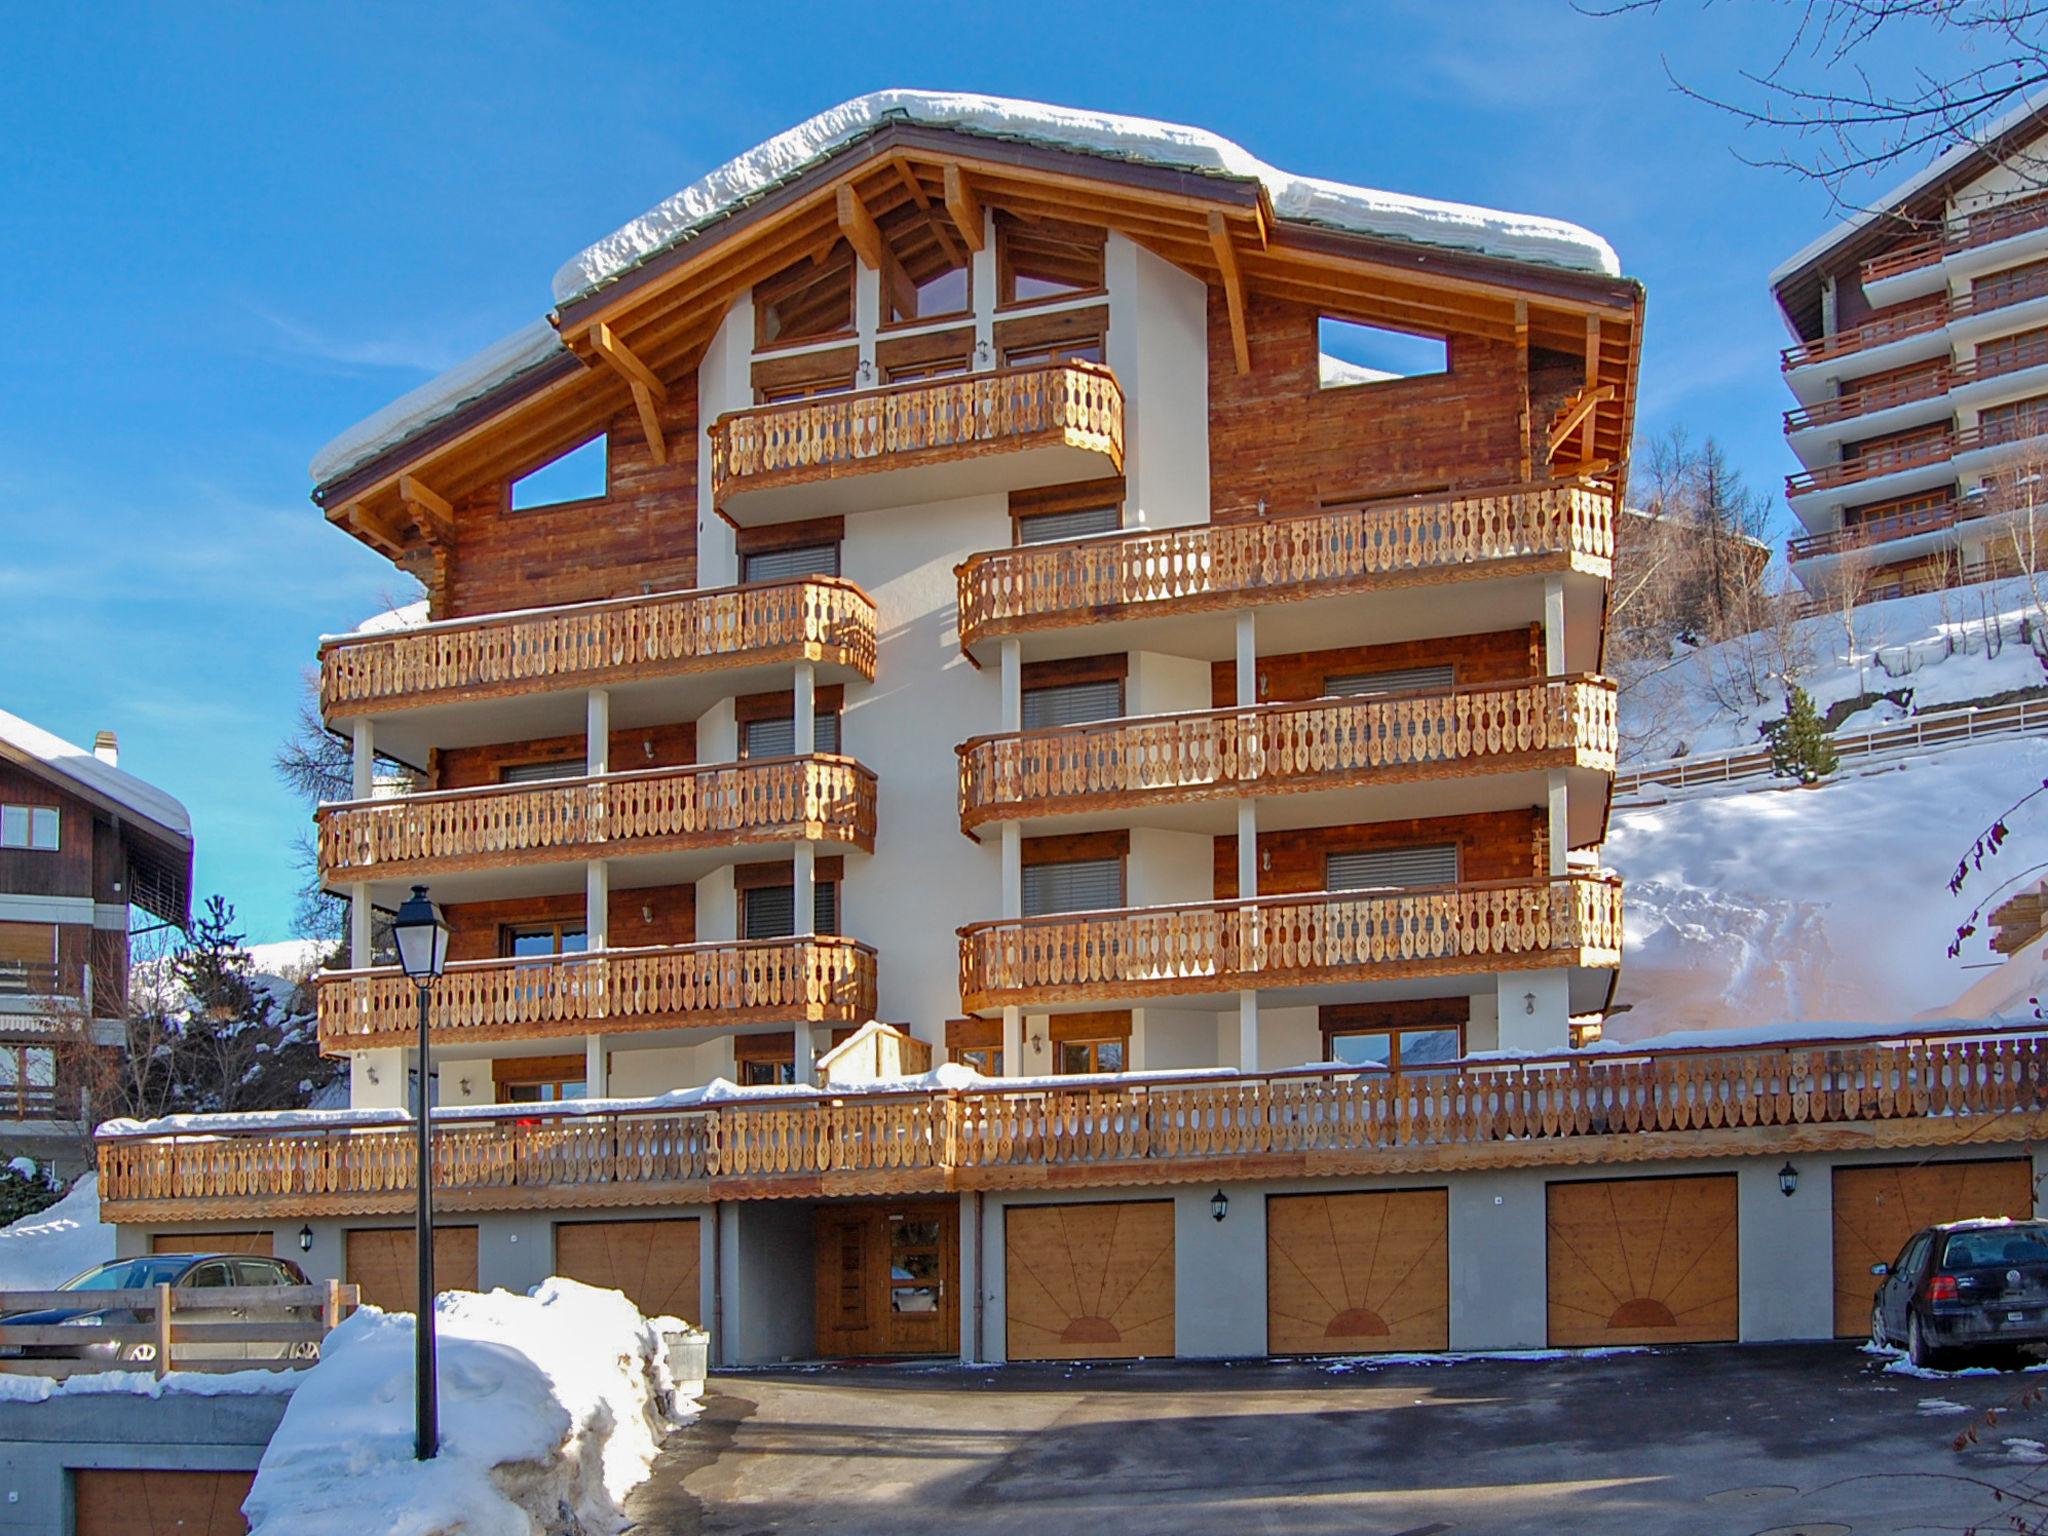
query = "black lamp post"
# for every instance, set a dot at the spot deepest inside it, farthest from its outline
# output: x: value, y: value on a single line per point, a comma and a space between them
x: 422, y: 939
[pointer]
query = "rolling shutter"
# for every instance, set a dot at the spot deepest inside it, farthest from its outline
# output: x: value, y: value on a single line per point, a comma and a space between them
x: 791, y: 564
x: 1086, y: 885
x: 1049, y: 527
x: 1386, y: 869
x: 542, y: 773
x: 771, y: 910
x: 1072, y: 704
x: 777, y: 738
x: 1351, y: 685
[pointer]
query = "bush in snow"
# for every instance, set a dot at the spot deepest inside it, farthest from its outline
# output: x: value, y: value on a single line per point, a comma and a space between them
x: 25, y: 1190
x: 1800, y: 748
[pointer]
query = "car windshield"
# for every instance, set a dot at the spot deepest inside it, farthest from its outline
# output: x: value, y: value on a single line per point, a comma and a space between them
x: 1996, y: 1245
x: 130, y: 1274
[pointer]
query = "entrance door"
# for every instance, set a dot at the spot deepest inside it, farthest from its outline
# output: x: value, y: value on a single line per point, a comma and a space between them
x: 888, y: 1279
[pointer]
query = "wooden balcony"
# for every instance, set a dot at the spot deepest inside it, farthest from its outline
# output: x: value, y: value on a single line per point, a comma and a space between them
x: 817, y: 979
x: 1932, y: 384
x: 1274, y: 749
x: 1208, y: 567
x: 583, y: 645
x: 1600, y: 1107
x: 1936, y: 448
x: 1291, y: 941
x: 1881, y: 332
x: 1973, y: 233
x: 1876, y: 531
x: 1060, y: 421
x: 619, y: 815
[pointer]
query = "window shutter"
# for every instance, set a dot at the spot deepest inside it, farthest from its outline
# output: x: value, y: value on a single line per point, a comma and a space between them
x: 1072, y: 704
x: 777, y: 738
x: 825, y: 907
x: 541, y: 773
x: 771, y: 911
x: 1087, y: 885
x: 1048, y: 527
x: 1387, y: 869
x: 1352, y: 685
x: 790, y: 564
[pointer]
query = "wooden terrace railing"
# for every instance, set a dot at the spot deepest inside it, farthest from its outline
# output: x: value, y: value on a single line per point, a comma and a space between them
x: 1278, y: 941
x: 963, y: 415
x: 1973, y: 233
x: 664, y: 634
x: 821, y: 978
x: 1209, y: 566
x: 1878, y: 530
x: 1603, y: 1106
x: 763, y: 800
x: 1882, y: 331
x: 177, y: 1329
x: 1276, y: 748
x: 1872, y: 398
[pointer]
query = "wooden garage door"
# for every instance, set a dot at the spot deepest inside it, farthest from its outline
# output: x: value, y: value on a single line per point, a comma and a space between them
x: 383, y: 1261
x: 1643, y: 1261
x: 212, y: 1242
x: 1351, y: 1273
x: 159, y: 1503
x: 1089, y: 1282
x: 656, y: 1263
x: 1877, y: 1209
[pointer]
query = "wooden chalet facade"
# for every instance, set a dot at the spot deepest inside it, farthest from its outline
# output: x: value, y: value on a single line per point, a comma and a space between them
x: 1005, y: 609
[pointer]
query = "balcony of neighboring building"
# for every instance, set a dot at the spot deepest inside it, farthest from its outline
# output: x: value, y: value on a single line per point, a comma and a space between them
x: 1914, y: 333
x: 1875, y: 470
x: 662, y: 656
x: 1913, y: 397
x: 1997, y: 237
x: 1166, y: 588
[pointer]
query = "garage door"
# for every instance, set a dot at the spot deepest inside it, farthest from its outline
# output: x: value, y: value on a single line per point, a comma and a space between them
x: 1089, y: 1282
x: 656, y: 1263
x: 1642, y: 1261
x: 384, y: 1262
x: 1877, y: 1209
x: 159, y: 1503
x: 1352, y: 1273
x: 212, y: 1242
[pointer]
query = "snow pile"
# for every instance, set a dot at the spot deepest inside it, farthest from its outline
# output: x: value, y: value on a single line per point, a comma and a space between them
x: 1825, y: 903
x: 552, y: 1408
x: 82, y: 767
x: 180, y: 1383
x: 41, y: 1252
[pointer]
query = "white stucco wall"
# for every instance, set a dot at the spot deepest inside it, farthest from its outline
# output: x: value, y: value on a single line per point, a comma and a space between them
x: 1159, y: 348
x: 1166, y: 867
x: 1161, y: 684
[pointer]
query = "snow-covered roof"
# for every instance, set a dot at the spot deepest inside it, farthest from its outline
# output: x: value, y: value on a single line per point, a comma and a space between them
x: 1306, y: 199
x: 17, y: 736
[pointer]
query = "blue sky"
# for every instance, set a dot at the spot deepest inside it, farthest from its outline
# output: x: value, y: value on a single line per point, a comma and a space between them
x: 231, y: 231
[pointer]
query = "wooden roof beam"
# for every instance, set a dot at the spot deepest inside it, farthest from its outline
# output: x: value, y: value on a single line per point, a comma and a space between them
x: 1574, y: 414
x: 860, y: 229
x: 1233, y: 289
x: 964, y: 206
x: 954, y: 255
x: 371, y: 526
x: 649, y: 393
x: 431, y: 511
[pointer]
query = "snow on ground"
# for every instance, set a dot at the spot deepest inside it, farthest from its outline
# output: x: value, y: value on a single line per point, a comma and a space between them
x: 1827, y: 903
x: 41, y: 1252
x: 552, y: 1408
x: 1944, y: 648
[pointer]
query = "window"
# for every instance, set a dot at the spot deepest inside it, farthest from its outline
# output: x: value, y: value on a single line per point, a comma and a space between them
x: 1432, y: 1045
x: 1082, y: 523
x: 1091, y: 1056
x: 538, y: 1079
x: 1082, y: 885
x: 1353, y: 353
x: 1358, y: 685
x: 813, y: 299
x: 1386, y: 869
x: 985, y: 1059
x: 1072, y: 704
x: 541, y: 939
x: 260, y: 1272
x: 552, y: 1092
x: 29, y: 826
x: 1085, y: 350
x: 217, y: 1276
x: 581, y: 474
x: 790, y: 564
x: 542, y: 773
x: 1995, y: 1245
x: 776, y: 736
x: 808, y: 387
x: 1038, y: 260
x: 769, y: 911
x: 761, y: 1073
x: 929, y: 368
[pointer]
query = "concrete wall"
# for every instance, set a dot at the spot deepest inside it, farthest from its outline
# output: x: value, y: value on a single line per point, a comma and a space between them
x: 769, y: 1282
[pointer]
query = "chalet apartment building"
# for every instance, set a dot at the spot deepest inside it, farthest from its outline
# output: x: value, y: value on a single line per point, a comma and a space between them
x: 1004, y: 611
x: 1920, y: 364
x: 82, y: 843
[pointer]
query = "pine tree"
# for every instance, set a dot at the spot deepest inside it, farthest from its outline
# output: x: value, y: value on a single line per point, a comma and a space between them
x: 1800, y: 748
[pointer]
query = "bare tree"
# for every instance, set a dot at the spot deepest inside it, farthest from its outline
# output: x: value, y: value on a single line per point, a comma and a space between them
x: 319, y: 766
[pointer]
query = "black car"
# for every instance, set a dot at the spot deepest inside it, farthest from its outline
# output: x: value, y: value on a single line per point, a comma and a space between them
x: 183, y: 1272
x: 1965, y: 1285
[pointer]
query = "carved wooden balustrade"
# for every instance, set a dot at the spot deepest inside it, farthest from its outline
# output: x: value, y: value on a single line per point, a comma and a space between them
x: 1208, y: 566
x: 1607, y: 1105
x: 1276, y: 748
x: 1279, y: 941
x: 959, y: 416
x: 823, y: 979
x: 763, y: 800
x: 817, y: 619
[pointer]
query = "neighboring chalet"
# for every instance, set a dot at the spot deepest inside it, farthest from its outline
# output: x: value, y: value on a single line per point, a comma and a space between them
x: 82, y: 843
x: 1132, y: 618
x: 1920, y: 363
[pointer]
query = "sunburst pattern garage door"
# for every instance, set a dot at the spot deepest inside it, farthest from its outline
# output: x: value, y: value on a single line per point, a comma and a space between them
x: 656, y: 1263
x: 383, y: 1262
x: 212, y: 1242
x: 1089, y: 1282
x: 1877, y: 1209
x: 110, y: 1503
x: 1643, y: 1261
x: 1357, y: 1272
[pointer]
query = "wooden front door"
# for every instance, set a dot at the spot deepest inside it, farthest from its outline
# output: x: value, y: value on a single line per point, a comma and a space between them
x: 1877, y: 1209
x: 1643, y: 1261
x: 888, y: 1279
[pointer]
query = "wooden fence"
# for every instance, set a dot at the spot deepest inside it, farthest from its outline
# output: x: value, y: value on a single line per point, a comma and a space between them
x: 176, y: 1328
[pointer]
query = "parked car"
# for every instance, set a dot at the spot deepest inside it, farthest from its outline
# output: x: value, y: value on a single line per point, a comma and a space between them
x: 183, y: 1272
x: 1964, y: 1286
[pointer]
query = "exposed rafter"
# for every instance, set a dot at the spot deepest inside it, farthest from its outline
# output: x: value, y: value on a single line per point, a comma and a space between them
x: 1233, y: 289
x: 964, y: 206
x: 649, y: 393
x: 431, y: 511
x: 860, y: 229
x: 954, y: 255
x: 1575, y: 413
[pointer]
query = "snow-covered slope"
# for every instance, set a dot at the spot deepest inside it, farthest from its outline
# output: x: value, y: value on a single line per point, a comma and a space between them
x: 41, y: 1252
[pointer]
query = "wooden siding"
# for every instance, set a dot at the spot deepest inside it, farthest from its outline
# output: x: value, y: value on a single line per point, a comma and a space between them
x: 1493, y: 845
x: 1507, y: 655
x: 1089, y: 1282
x: 657, y: 1264
x: 1877, y: 1209
x: 1358, y: 1273
x: 1643, y: 1261
x: 152, y: 1502
x: 66, y: 870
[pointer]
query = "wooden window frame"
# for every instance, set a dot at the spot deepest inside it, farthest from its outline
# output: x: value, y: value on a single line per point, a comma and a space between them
x: 884, y: 326
x: 1393, y: 1019
x: 1006, y: 276
x: 1368, y: 385
x: 897, y: 357
x: 510, y: 931
x: 525, y: 1071
x: 29, y: 814
x: 771, y: 290
x: 1050, y: 501
x: 1079, y: 848
x: 506, y: 509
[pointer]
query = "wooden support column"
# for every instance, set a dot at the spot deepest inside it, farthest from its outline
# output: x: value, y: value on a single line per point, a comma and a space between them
x: 1559, y: 825
x: 1233, y: 289
x: 965, y: 208
x: 649, y: 393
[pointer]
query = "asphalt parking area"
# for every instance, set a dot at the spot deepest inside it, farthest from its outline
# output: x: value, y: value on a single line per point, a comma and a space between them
x: 1813, y: 1439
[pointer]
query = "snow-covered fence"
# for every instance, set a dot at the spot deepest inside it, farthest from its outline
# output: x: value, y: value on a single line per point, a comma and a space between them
x: 164, y: 1328
x: 1936, y: 730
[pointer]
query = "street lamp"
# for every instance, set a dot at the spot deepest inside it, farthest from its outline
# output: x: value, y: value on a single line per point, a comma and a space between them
x: 422, y: 938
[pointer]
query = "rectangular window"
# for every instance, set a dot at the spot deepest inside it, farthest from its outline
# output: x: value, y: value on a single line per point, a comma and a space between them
x: 811, y: 300
x: 1434, y: 1046
x: 777, y: 737
x: 1072, y: 704
x: 791, y: 564
x: 542, y: 773
x: 1353, y: 353
x: 1357, y: 685
x: 764, y: 1072
x: 1044, y: 259
x: 1083, y: 885
x: 545, y: 1093
x: 1086, y: 350
x: 769, y: 911
x: 985, y: 1059
x: 1390, y: 869
x: 1082, y: 523
x: 1077, y: 1056
x: 539, y: 939
x: 581, y: 474
x: 29, y: 826
x: 929, y: 368
x: 538, y: 1079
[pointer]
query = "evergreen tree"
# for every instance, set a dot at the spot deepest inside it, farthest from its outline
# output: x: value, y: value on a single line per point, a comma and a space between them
x: 1800, y: 748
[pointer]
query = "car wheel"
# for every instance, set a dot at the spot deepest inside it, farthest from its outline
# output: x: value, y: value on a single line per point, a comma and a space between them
x: 305, y: 1349
x: 1879, y: 1339
x: 1918, y: 1350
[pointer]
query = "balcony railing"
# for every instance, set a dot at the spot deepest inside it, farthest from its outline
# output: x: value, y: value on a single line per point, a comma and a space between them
x: 1277, y: 748
x: 1077, y: 405
x: 1209, y: 566
x: 665, y: 634
x: 1936, y: 448
x: 1871, y: 333
x: 1287, y: 941
x: 661, y: 810
x: 1973, y: 233
x: 1605, y: 1106
x: 1871, y: 399
x: 819, y: 979
x: 1876, y: 530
